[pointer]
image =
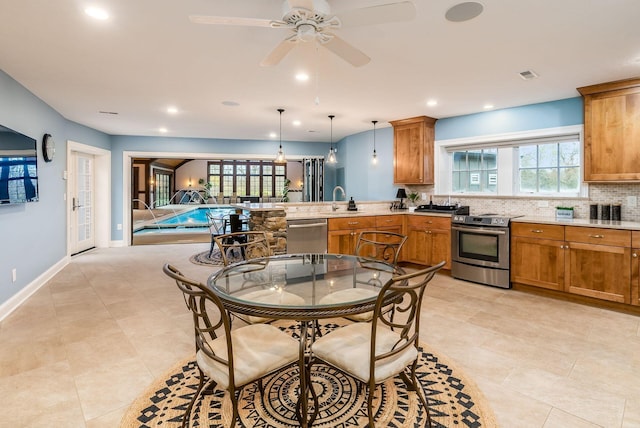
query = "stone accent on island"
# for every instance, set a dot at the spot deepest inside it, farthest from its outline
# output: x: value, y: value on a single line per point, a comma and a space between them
x: 270, y: 219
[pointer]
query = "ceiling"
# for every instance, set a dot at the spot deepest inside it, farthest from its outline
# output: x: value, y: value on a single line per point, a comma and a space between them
x: 148, y: 56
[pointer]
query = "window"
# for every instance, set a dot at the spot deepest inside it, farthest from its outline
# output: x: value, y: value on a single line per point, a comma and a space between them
x: 247, y: 178
x: 162, y: 188
x: 475, y: 171
x: 546, y: 161
x: 549, y: 168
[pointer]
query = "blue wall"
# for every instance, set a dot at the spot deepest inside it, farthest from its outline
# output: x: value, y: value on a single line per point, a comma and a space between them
x: 33, y: 236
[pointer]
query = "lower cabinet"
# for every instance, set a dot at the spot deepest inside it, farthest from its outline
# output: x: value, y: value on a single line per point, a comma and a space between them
x: 343, y: 233
x: 593, y: 262
x: 537, y: 255
x: 635, y: 268
x: 428, y: 240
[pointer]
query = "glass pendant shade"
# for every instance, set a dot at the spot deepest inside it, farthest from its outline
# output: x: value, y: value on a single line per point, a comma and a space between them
x: 280, y: 158
x: 331, y: 157
x: 374, y: 159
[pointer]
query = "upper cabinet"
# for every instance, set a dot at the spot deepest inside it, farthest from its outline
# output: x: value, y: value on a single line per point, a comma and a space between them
x: 413, y: 150
x: 612, y: 131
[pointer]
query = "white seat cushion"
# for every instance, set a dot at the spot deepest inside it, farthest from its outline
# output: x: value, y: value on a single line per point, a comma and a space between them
x: 351, y: 295
x: 258, y: 349
x: 349, y: 347
x: 272, y: 297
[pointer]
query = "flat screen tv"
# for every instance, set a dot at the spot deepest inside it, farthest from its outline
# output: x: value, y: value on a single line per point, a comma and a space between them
x: 18, y: 168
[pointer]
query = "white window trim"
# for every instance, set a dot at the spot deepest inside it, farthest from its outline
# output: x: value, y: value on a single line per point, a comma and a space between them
x: 506, y: 160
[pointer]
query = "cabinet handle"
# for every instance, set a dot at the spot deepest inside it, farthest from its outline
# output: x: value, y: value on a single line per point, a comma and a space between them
x: 596, y: 236
x: 635, y: 255
x: 536, y: 230
x: 353, y: 222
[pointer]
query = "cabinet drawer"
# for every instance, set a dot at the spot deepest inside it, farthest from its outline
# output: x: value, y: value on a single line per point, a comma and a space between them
x: 536, y: 230
x: 388, y: 220
x: 635, y: 238
x: 427, y: 222
x: 352, y: 223
x: 594, y: 235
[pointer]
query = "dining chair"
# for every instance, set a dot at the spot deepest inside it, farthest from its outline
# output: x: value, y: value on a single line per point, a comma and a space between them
x: 232, y: 358
x: 241, y: 246
x: 373, y: 352
x: 217, y: 227
x: 371, y: 245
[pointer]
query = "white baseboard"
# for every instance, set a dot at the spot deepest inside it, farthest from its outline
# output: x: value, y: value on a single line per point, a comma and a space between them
x: 116, y: 244
x: 17, y: 299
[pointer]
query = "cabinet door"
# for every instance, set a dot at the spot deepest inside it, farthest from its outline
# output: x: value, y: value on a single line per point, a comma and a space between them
x: 538, y: 262
x: 341, y: 242
x: 612, y: 131
x: 600, y: 271
x: 413, y: 150
x: 440, y: 247
x: 635, y: 276
x: 417, y: 247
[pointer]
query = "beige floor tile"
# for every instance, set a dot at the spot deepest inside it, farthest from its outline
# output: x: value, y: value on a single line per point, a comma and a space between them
x: 559, y: 419
x: 98, y: 351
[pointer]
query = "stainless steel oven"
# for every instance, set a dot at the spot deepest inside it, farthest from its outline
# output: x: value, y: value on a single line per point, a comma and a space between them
x: 480, y: 249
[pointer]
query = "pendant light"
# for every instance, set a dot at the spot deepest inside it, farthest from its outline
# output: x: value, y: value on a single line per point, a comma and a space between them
x: 331, y: 158
x: 280, y: 156
x: 374, y: 159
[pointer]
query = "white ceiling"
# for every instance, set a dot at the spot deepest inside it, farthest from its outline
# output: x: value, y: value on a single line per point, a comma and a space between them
x: 148, y: 56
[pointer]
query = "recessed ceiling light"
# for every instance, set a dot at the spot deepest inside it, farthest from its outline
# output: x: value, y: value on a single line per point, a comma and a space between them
x: 172, y: 110
x: 273, y: 135
x: 97, y: 13
x: 432, y: 103
x: 230, y: 103
x: 163, y: 130
x: 296, y: 123
x: 464, y: 11
x: 488, y: 106
x: 302, y: 77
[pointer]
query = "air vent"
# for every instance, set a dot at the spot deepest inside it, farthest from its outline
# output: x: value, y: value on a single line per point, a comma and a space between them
x: 528, y: 74
x: 108, y: 112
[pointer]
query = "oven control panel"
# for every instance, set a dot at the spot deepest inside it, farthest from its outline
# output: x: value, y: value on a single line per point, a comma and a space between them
x: 481, y: 220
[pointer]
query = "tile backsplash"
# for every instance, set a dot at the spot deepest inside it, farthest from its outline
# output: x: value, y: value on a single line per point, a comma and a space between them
x: 616, y: 193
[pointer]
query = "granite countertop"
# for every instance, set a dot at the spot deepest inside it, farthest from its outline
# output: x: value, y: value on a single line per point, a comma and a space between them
x: 247, y: 206
x: 341, y: 213
x: 609, y: 224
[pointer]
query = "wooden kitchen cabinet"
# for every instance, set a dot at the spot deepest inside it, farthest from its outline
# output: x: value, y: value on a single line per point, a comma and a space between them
x: 343, y: 233
x: 413, y: 150
x: 612, y: 131
x: 538, y: 255
x: 635, y: 268
x: 390, y: 223
x: 428, y: 240
x: 598, y: 263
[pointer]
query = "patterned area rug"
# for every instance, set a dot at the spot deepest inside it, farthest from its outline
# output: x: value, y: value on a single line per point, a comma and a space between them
x: 454, y: 401
x: 216, y: 259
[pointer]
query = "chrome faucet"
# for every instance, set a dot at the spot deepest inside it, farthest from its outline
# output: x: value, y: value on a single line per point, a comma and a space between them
x: 334, y: 206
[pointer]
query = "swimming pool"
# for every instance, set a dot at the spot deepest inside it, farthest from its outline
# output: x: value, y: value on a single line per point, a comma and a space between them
x: 194, y: 217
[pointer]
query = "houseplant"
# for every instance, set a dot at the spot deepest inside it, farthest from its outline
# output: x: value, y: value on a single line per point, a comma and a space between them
x: 413, y: 197
x: 206, y: 185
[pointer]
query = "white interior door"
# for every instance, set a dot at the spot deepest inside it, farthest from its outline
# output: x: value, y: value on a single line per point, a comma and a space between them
x: 82, y: 185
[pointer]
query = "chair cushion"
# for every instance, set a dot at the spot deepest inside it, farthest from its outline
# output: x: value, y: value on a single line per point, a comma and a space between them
x: 257, y: 350
x: 351, y: 295
x: 282, y: 298
x: 348, y: 348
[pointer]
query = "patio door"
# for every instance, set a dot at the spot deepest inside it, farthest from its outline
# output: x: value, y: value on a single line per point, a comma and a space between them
x: 82, y: 221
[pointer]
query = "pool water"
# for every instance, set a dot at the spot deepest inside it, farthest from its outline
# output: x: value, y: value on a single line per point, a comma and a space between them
x: 197, y: 216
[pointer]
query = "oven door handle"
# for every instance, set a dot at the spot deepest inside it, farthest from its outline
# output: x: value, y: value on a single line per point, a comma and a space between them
x: 482, y: 230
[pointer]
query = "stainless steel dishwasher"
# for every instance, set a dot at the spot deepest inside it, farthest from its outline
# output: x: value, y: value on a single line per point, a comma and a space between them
x: 307, y: 236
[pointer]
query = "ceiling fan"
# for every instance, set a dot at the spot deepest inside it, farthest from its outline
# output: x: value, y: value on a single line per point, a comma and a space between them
x: 311, y: 20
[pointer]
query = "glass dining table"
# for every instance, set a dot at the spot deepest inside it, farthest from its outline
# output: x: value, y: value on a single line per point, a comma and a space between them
x: 300, y: 287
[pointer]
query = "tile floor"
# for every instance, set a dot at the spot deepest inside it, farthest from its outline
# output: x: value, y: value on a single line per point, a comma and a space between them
x: 87, y: 343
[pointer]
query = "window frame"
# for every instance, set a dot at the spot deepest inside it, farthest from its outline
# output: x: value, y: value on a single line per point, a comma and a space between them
x: 263, y: 178
x: 507, y: 145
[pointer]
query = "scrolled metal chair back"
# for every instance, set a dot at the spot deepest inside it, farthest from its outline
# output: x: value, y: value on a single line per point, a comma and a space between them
x: 379, y: 245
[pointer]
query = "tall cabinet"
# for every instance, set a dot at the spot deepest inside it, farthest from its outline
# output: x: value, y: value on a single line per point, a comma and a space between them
x: 413, y: 150
x: 612, y: 131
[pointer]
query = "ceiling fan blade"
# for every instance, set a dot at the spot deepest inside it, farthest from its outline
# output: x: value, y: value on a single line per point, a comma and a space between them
x: 382, y: 14
x: 229, y: 20
x: 280, y: 51
x: 347, y: 52
x: 301, y: 4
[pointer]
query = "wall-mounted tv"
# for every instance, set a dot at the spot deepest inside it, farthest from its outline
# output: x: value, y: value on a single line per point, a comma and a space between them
x: 18, y: 168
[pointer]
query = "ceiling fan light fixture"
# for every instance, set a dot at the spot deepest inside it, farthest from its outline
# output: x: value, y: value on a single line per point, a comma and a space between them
x: 331, y: 157
x: 280, y: 157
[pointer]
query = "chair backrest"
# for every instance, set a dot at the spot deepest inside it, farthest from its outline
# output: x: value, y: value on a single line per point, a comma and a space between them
x: 217, y: 225
x: 380, y: 245
x: 210, y: 319
x: 239, y: 246
x: 407, y: 292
